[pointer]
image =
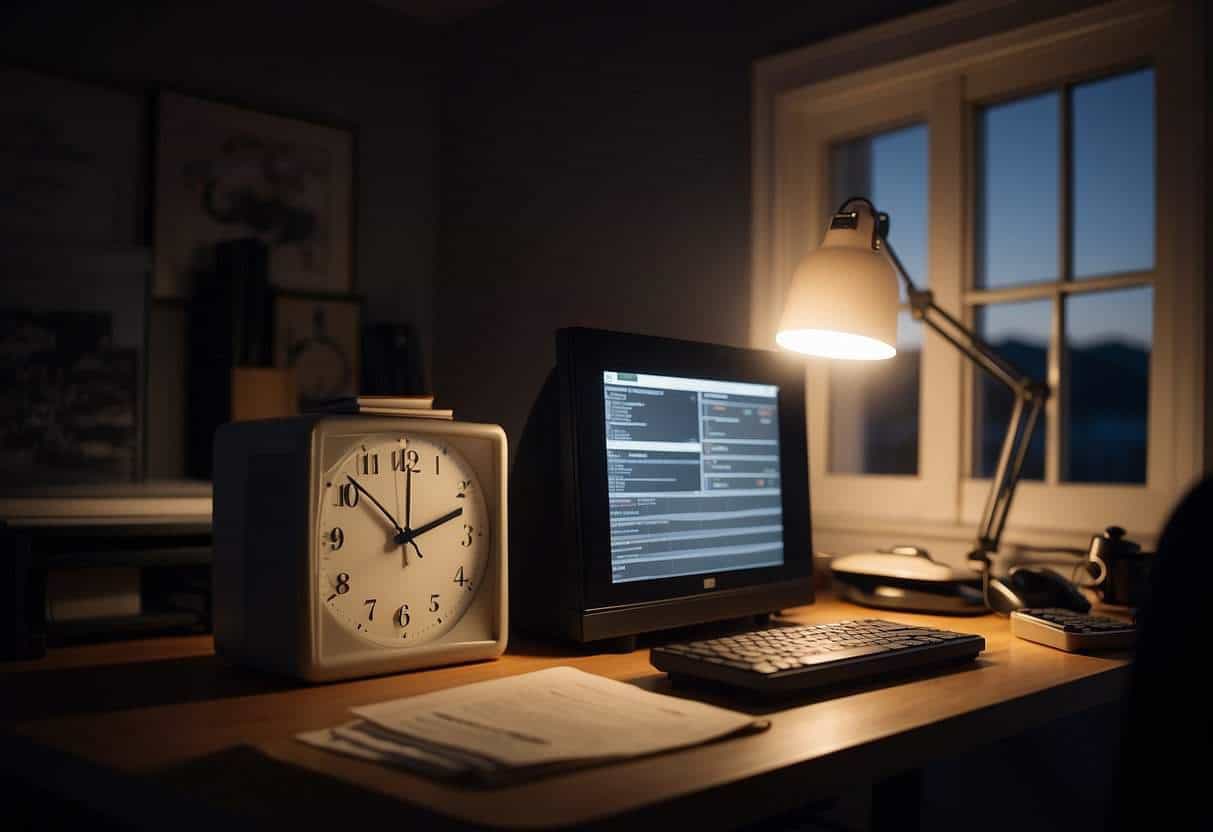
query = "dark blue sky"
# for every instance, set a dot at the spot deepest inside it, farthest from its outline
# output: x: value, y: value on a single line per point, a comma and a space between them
x: 1018, y: 206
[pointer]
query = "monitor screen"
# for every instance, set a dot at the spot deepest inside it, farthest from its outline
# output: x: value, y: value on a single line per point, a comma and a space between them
x: 693, y: 480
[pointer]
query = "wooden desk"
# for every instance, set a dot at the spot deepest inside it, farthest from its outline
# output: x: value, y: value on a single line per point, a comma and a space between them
x: 180, y: 728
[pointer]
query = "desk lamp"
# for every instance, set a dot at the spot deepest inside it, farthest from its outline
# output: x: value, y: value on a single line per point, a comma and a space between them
x: 843, y: 304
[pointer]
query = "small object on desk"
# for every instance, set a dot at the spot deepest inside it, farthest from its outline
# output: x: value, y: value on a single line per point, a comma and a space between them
x: 1029, y: 586
x: 906, y: 578
x: 797, y: 658
x: 263, y: 393
x: 421, y: 407
x: 1072, y: 631
x: 1119, y: 568
x: 522, y: 726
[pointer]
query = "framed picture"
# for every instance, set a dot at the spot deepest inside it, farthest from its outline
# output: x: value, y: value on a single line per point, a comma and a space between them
x: 73, y: 330
x: 319, y: 337
x: 70, y: 161
x: 224, y: 172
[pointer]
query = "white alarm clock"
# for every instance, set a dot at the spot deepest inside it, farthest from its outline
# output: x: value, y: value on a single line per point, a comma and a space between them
x: 353, y: 545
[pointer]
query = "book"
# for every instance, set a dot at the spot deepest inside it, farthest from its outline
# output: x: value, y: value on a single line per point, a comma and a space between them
x: 416, y: 407
x: 526, y: 726
x: 393, y: 402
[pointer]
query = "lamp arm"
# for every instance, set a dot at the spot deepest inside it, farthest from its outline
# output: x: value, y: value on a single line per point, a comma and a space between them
x: 1030, y: 396
x: 923, y: 307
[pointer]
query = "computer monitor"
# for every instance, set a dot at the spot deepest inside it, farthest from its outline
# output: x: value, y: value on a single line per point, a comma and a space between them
x: 659, y: 483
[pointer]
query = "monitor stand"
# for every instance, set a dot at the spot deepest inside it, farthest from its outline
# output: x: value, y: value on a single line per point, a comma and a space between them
x: 629, y: 644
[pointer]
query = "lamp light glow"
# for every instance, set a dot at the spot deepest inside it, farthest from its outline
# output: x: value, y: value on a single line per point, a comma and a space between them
x: 843, y: 299
x: 827, y: 343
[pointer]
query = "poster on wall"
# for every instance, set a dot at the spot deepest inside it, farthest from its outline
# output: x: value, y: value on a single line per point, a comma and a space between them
x: 70, y: 161
x: 225, y: 173
x: 73, y: 332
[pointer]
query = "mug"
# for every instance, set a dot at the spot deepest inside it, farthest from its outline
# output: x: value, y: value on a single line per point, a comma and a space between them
x: 1120, y: 568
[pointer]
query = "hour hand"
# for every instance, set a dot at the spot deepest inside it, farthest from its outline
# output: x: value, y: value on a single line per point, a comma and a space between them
x: 407, y: 535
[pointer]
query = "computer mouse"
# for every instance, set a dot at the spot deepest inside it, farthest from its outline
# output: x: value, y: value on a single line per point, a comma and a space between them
x: 1029, y: 586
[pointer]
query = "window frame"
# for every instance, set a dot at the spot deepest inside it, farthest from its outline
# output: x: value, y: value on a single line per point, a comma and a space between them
x: 939, y: 66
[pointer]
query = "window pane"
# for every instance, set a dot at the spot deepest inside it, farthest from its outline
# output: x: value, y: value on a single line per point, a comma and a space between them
x: 874, y: 405
x: 1113, y: 176
x: 891, y: 170
x: 1018, y: 217
x: 1020, y: 333
x: 1108, y: 341
x: 874, y: 409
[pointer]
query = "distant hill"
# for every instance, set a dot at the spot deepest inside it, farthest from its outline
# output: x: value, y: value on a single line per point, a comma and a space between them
x: 1105, y: 405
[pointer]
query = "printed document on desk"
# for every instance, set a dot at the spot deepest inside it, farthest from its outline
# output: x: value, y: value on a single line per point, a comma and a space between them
x: 531, y: 721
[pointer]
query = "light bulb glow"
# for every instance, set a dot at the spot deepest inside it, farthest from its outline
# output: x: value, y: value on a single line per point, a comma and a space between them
x: 827, y: 343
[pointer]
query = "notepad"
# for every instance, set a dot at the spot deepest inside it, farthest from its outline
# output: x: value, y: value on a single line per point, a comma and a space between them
x: 528, y: 725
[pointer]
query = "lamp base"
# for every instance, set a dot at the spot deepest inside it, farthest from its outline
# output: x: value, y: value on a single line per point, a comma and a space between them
x: 909, y: 583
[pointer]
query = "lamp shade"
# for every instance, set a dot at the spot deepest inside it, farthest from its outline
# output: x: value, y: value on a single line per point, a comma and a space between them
x: 843, y: 299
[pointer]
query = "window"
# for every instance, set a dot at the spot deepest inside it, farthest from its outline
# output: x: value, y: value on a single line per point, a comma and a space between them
x: 1023, y: 171
x: 874, y: 405
x: 1064, y: 225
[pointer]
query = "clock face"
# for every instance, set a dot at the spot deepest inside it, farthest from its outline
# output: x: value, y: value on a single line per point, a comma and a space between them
x: 403, y: 537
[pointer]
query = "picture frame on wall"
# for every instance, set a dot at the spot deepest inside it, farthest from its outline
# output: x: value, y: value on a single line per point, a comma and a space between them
x: 224, y: 172
x: 71, y: 162
x: 73, y: 358
x: 319, y: 338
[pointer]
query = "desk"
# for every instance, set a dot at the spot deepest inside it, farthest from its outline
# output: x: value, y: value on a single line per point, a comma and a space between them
x: 166, y: 726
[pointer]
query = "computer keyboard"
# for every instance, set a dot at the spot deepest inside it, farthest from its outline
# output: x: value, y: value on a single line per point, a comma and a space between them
x: 1072, y: 631
x: 794, y: 658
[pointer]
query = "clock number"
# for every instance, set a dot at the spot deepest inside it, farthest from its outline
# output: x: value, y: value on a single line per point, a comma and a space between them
x: 467, y: 536
x: 402, y: 615
x: 434, y: 602
x: 337, y: 536
x: 464, y: 485
x: 347, y: 495
x: 408, y: 460
x: 459, y: 579
x: 437, y: 467
x: 368, y: 464
x: 370, y: 601
x: 343, y: 583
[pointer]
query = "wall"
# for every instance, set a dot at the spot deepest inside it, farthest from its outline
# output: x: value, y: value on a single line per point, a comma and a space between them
x: 596, y: 160
x: 351, y: 64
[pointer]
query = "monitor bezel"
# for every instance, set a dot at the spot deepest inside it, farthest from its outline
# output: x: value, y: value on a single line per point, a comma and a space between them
x: 585, y: 354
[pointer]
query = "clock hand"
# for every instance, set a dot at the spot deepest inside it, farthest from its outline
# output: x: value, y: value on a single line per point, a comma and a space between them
x: 407, y: 535
x: 408, y: 496
x: 408, y: 514
x: 378, y: 505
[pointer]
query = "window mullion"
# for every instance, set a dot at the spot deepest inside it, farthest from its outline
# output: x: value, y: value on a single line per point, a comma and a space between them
x: 1056, y: 372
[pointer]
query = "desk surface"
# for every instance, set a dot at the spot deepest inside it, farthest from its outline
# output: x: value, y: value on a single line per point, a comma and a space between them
x: 183, y: 723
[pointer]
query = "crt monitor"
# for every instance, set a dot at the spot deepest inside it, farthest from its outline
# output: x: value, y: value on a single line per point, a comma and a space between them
x: 659, y: 483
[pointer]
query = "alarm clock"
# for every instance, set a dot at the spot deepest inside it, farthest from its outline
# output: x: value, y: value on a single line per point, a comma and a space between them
x: 354, y: 545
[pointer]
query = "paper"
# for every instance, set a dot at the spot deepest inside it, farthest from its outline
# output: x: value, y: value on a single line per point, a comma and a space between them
x: 553, y: 715
x: 535, y: 722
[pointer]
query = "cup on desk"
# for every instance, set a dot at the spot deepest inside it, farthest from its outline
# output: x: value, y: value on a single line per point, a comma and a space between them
x: 1119, y: 566
x: 263, y: 393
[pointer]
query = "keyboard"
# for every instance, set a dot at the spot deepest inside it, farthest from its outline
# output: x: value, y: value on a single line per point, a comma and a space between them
x: 1072, y: 631
x: 796, y: 658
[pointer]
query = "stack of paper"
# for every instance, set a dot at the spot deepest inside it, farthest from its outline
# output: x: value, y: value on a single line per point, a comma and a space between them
x: 524, y: 726
x: 417, y: 407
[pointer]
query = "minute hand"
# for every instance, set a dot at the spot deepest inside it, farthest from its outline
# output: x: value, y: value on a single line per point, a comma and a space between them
x: 407, y: 535
x: 378, y: 504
